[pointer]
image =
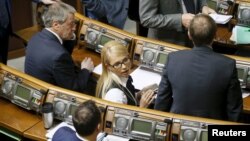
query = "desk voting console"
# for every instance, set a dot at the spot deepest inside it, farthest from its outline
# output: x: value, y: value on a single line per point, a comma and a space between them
x: 118, y: 119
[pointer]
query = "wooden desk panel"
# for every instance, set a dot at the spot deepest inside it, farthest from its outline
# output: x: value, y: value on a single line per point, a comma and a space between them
x: 37, y: 132
x: 27, y: 33
x: 16, y: 118
x: 246, y: 105
x: 79, y: 53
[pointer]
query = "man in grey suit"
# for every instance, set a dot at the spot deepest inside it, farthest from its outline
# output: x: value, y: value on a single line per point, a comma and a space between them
x: 200, y: 82
x: 168, y: 20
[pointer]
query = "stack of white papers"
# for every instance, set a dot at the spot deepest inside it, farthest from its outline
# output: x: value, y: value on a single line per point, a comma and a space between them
x: 220, y: 19
x: 143, y: 78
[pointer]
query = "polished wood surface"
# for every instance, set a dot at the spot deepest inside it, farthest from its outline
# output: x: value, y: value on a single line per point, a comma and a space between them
x: 27, y: 33
x: 37, y: 132
x: 246, y: 105
x: 16, y: 118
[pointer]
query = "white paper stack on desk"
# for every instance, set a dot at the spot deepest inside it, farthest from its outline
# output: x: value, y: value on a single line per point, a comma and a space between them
x: 220, y: 19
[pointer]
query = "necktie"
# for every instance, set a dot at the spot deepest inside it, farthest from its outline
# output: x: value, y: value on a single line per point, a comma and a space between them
x: 189, y: 6
x: 4, y: 14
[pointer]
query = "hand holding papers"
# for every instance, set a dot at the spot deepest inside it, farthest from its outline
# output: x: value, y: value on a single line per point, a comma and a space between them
x: 220, y: 19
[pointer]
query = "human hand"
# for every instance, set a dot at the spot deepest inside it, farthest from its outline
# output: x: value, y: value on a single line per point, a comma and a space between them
x: 186, y: 19
x: 207, y: 10
x: 146, y: 98
x: 88, y: 64
x: 49, y: 1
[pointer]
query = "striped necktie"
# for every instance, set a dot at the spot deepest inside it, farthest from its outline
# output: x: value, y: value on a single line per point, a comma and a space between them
x: 189, y: 6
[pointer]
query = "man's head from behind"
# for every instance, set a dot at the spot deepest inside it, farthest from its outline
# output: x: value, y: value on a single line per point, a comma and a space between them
x: 87, y: 118
x: 202, y: 30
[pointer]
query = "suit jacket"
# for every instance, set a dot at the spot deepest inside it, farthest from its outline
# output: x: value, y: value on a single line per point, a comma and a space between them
x: 200, y: 82
x: 48, y: 60
x: 163, y: 18
x: 115, y: 11
x: 65, y: 134
x: 5, y: 14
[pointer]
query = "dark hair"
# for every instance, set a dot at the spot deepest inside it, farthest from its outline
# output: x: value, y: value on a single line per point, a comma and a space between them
x: 202, y: 29
x: 86, y: 118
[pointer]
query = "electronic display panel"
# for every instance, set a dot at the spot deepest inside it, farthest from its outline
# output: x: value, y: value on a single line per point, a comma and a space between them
x: 72, y: 109
x: 162, y: 58
x: 204, y: 136
x: 241, y: 72
x: 140, y: 126
x: 104, y: 40
x: 22, y: 92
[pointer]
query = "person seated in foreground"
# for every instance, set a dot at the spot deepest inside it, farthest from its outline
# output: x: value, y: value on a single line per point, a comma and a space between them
x: 115, y: 83
x: 87, y: 123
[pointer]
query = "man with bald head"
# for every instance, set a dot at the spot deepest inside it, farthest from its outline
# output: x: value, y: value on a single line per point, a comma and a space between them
x: 200, y: 82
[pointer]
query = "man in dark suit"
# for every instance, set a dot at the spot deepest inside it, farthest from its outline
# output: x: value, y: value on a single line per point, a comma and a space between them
x: 87, y: 123
x: 114, y: 11
x: 5, y: 29
x: 48, y: 60
x: 200, y: 82
x: 5, y: 26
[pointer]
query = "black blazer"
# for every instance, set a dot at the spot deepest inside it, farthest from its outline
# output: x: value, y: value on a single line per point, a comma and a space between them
x: 48, y: 60
x: 200, y: 82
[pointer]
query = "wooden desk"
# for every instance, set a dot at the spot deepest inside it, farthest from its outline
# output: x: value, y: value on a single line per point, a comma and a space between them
x: 27, y: 33
x: 37, y: 132
x: 15, y: 118
x: 246, y: 105
x: 79, y: 53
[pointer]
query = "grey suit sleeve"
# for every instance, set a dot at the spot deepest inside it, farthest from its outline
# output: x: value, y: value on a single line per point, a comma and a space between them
x: 164, y: 96
x: 234, y: 97
x: 151, y: 17
x: 67, y: 76
x: 202, y: 3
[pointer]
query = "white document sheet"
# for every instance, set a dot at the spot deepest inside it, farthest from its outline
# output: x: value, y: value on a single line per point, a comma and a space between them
x: 143, y: 78
x: 220, y: 19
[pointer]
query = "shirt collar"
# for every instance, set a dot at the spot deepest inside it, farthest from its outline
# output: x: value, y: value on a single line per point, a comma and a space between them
x: 58, y: 37
x: 79, y: 137
x: 124, y: 81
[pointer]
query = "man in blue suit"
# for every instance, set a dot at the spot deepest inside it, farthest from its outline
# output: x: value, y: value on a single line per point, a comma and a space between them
x: 200, y: 82
x: 5, y: 26
x: 47, y: 59
x: 87, y: 123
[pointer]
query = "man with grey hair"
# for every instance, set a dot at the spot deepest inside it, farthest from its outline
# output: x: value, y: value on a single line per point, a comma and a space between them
x: 48, y: 60
x: 200, y: 82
